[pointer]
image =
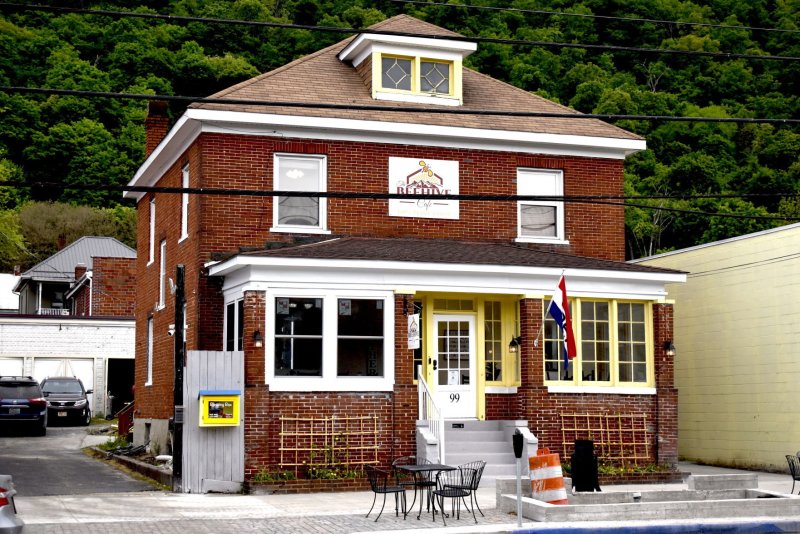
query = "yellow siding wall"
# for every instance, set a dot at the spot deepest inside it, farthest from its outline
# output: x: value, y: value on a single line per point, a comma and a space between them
x: 737, y: 339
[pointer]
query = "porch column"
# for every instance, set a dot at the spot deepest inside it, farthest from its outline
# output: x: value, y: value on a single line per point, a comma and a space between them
x: 666, y: 394
x: 531, y: 391
x: 256, y: 393
x: 404, y: 402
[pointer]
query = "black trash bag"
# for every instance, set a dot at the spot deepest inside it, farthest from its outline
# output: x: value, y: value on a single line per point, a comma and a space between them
x: 584, y: 467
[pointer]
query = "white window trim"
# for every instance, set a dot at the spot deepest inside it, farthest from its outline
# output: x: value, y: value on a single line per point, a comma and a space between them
x: 152, y: 244
x: 184, y: 204
x: 162, y: 275
x: 322, y: 228
x: 236, y: 320
x: 560, y: 237
x: 149, y: 381
x: 329, y: 381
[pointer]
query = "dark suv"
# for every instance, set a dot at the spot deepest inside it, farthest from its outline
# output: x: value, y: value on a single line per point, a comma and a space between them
x: 22, y: 403
x: 66, y: 399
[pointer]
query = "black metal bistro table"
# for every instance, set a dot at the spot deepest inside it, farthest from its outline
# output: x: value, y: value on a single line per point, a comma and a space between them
x: 422, y: 479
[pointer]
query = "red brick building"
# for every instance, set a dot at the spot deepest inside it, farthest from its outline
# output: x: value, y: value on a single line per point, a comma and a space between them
x: 319, y: 257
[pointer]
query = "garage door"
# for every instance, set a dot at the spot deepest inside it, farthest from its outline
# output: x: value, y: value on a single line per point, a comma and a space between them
x: 11, y: 366
x: 81, y: 368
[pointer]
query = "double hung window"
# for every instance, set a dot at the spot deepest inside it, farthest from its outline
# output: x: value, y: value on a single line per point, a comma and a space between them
x: 541, y: 219
x: 297, y: 213
x: 234, y: 325
x: 612, y: 343
x: 298, y: 336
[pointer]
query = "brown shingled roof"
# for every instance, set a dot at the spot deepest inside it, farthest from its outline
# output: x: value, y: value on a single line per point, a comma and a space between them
x: 322, y: 78
x: 446, y: 251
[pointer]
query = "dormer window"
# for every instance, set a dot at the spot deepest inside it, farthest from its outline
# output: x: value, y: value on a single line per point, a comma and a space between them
x: 418, y: 70
x: 399, y: 74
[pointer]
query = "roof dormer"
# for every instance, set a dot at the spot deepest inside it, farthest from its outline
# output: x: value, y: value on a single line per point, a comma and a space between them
x: 420, y: 70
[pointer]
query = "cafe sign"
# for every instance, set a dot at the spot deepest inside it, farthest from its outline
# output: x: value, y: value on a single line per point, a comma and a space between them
x: 429, y: 178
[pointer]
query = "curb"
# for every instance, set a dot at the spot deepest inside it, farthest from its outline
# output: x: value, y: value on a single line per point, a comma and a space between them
x: 150, y: 471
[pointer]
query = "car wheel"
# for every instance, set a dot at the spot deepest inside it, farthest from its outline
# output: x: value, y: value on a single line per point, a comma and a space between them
x: 42, y: 430
x: 87, y: 419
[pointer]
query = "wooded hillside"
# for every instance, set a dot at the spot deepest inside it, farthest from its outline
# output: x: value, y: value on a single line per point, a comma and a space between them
x: 735, y: 168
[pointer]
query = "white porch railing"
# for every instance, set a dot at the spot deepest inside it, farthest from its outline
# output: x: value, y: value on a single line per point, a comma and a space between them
x: 429, y: 412
x: 52, y: 311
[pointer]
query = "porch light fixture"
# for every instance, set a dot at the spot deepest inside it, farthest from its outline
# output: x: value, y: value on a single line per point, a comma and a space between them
x: 258, y: 341
x: 669, y: 348
x: 515, y: 344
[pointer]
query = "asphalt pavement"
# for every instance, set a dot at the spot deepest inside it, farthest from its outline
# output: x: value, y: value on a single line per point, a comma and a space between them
x: 333, y: 513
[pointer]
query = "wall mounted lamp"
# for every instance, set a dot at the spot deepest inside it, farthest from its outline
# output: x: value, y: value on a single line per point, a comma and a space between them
x: 669, y: 348
x: 258, y: 341
x: 515, y: 344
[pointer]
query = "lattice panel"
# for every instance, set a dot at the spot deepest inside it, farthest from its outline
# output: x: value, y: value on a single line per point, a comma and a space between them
x: 328, y: 441
x: 618, y: 438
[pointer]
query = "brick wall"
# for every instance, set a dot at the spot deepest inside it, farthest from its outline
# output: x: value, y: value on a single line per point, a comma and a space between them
x: 113, y: 286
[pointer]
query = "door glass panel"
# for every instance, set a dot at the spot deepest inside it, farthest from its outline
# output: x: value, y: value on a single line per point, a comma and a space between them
x: 454, y: 361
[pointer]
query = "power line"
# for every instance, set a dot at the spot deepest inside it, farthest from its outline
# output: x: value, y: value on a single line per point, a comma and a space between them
x: 592, y: 16
x: 577, y: 199
x: 748, y: 265
x: 394, y: 109
x: 495, y: 40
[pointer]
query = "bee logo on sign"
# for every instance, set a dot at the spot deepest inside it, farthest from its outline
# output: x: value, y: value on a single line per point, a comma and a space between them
x: 433, y: 179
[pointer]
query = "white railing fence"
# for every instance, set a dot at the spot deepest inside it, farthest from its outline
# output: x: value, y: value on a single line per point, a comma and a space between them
x: 429, y: 412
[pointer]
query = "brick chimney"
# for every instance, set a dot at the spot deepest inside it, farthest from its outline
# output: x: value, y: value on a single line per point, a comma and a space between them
x: 80, y: 270
x: 156, y: 125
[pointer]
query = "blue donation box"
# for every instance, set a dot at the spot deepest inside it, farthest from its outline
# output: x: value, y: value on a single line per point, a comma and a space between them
x: 219, y: 407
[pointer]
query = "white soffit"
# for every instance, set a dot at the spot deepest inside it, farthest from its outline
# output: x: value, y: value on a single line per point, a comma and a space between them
x: 361, y: 47
x: 274, y: 272
x: 195, y: 121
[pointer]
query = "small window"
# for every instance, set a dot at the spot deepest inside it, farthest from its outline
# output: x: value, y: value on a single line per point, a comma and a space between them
x: 234, y: 325
x: 149, y: 351
x: 631, y: 342
x: 162, y: 275
x: 493, y: 343
x: 434, y: 77
x: 396, y: 73
x: 299, y: 173
x: 298, y: 336
x: 540, y: 219
x: 185, y: 204
x: 360, y: 337
x: 152, y: 243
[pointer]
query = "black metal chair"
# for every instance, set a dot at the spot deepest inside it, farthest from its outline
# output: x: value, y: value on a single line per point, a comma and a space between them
x: 454, y: 485
x: 379, y: 482
x: 404, y: 478
x: 794, y: 468
x: 478, y: 466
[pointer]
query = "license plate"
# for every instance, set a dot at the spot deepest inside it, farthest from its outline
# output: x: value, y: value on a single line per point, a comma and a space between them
x: 13, y: 411
x: 62, y: 414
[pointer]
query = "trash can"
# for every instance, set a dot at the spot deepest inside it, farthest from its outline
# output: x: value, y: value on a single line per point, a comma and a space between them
x: 584, y: 466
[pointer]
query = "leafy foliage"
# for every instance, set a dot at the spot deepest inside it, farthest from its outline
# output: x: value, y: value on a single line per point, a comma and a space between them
x: 92, y: 142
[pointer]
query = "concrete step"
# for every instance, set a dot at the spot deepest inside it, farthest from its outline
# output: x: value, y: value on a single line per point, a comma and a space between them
x: 475, y: 435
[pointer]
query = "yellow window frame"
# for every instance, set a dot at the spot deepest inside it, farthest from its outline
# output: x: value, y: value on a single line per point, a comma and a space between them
x: 613, y: 340
x: 416, y: 70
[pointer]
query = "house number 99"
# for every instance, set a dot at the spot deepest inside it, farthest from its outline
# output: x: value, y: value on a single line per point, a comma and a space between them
x: 455, y: 397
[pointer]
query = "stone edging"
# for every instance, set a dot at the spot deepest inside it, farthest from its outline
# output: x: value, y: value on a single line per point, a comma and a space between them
x: 158, y: 474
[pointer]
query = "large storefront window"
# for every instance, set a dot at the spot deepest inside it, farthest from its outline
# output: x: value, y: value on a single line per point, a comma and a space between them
x: 612, y: 342
x: 330, y: 341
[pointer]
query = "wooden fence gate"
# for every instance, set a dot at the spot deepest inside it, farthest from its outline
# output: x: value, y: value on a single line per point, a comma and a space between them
x: 213, y: 456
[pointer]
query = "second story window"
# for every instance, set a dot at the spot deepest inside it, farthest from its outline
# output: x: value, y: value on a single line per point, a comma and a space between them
x: 299, y: 213
x: 162, y: 275
x: 184, y: 203
x: 152, y: 242
x: 540, y: 220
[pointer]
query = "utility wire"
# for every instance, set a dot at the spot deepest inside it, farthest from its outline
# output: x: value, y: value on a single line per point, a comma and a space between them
x: 545, y: 44
x: 592, y: 16
x: 395, y: 109
x: 392, y: 196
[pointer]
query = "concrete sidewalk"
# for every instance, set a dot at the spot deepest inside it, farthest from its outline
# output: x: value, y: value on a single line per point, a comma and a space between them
x: 165, y: 512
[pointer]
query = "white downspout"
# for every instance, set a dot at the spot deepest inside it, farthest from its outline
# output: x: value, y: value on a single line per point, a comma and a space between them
x: 91, y: 291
